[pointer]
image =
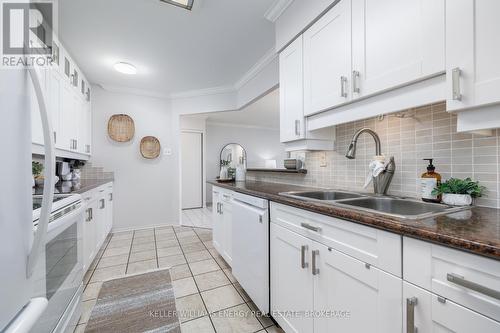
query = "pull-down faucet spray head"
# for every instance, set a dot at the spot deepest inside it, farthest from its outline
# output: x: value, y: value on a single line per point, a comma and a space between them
x: 351, y: 150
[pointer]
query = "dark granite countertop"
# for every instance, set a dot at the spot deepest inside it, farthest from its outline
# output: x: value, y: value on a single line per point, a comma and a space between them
x: 70, y: 187
x: 477, y: 231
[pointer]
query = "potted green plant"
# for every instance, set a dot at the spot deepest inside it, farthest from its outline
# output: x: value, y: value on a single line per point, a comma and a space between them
x: 36, y: 170
x: 459, y: 192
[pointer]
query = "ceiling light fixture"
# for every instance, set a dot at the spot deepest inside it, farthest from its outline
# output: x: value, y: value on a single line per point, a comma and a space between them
x: 125, y: 68
x: 186, y: 4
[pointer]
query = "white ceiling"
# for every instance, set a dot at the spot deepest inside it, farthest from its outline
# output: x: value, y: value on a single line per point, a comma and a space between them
x: 175, y: 50
x: 265, y: 113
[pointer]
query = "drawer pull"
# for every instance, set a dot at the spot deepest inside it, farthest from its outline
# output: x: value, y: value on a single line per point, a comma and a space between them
x: 410, y: 315
x: 315, y: 270
x: 310, y: 227
x: 461, y: 281
x: 303, y: 262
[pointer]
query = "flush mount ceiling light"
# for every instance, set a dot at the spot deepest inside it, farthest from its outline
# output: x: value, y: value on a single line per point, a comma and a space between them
x: 186, y: 4
x: 125, y: 68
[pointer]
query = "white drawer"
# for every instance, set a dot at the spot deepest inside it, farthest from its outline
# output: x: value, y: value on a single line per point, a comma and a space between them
x: 432, y: 267
x: 379, y: 248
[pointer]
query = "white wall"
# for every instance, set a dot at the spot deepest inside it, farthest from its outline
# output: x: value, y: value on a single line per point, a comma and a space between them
x: 144, y: 192
x: 260, y: 144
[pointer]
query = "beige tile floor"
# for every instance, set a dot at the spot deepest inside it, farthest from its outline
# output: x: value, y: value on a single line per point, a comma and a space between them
x: 199, y: 218
x: 208, y: 297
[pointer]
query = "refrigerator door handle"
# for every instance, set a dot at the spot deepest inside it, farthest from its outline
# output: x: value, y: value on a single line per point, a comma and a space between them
x: 48, y: 184
x: 25, y: 321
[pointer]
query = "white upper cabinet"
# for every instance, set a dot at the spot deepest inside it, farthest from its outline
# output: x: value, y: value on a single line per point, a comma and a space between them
x: 472, y: 53
x: 395, y: 43
x: 67, y: 96
x: 291, y: 93
x: 327, y: 60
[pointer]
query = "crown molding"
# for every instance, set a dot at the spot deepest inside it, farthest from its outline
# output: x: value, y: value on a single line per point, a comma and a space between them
x: 134, y: 91
x: 224, y: 124
x: 277, y: 8
x: 203, y: 92
x: 268, y: 57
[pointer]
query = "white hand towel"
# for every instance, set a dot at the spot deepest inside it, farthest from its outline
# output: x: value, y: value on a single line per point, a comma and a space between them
x: 375, y: 168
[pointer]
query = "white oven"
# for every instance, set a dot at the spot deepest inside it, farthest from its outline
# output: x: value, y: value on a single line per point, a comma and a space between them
x: 59, y: 272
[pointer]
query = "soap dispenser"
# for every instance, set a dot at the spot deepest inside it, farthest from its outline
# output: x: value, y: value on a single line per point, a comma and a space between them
x: 429, y: 181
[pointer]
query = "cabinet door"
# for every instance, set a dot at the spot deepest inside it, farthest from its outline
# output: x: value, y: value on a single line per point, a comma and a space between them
x: 217, y: 221
x: 82, y: 125
x: 109, y: 211
x: 36, y: 120
x: 227, y: 225
x: 355, y: 296
x: 67, y: 119
x: 395, y: 42
x: 55, y: 101
x: 327, y: 60
x: 472, y: 53
x: 89, y: 234
x: 292, y: 93
x: 101, y: 220
x: 434, y: 314
x: 291, y: 280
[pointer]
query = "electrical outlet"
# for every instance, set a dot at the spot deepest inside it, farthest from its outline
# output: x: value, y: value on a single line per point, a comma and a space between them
x: 322, y: 159
x: 167, y: 151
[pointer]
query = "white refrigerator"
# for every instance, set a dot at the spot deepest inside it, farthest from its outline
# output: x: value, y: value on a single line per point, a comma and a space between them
x: 20, y: 243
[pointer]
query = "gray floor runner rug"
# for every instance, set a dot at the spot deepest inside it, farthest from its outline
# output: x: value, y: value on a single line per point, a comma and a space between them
x: 138, y: 303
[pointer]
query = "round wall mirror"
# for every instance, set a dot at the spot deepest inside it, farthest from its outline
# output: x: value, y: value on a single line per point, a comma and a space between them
x: 231, y: 156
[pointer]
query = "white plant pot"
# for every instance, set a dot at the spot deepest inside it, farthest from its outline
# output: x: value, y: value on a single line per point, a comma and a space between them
x: 457, y: 199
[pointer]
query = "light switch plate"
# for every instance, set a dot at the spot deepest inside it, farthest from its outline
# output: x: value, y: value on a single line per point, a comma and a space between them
x: 322, y: 159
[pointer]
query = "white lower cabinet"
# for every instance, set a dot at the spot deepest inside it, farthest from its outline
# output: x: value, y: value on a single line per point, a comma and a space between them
x: 291, y: 279
x: 330, y: 275
x: 98, y: 221
x: 222, y: 223
x: 428, y: 312
x: 315, y: 288
x: 352, y: 296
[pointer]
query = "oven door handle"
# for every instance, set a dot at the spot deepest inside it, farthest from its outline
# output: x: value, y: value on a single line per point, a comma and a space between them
x: 48, y: 184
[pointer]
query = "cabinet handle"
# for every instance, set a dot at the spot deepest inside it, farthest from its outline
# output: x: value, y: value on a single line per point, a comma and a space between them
x: 310, y: 227
x: 76, y: 144
x: 89, y: 214
x: 303, y: 262
x: 221, y: 208
x: 297, y: 127
x: 410, y: 315
x: 103, y: 203
x: 343, y: 83
x: 355, y: 82
x: 55, y: 137
x: 455, y: 79
x: 218, y: 208
x: 461, y: 281
x: 315, y: 270
x: 111, y: 197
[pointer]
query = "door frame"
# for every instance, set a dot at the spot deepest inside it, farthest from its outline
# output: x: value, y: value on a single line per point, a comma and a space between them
x: 203, y: 171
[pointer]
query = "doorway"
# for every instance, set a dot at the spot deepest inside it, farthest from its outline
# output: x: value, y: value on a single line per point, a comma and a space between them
x: 192, y: 169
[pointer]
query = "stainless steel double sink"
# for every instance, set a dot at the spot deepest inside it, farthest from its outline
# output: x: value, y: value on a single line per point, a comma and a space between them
x: 395, y: 207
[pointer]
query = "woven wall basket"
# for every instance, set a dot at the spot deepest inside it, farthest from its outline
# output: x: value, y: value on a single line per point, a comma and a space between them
x: 121, y: 128
x: 150, y: 147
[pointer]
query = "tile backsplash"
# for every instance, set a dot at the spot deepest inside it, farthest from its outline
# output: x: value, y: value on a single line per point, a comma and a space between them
x: 409, y: 136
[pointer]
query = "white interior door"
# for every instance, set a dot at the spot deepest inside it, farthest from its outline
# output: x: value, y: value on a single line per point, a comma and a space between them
x: 192, y: 169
